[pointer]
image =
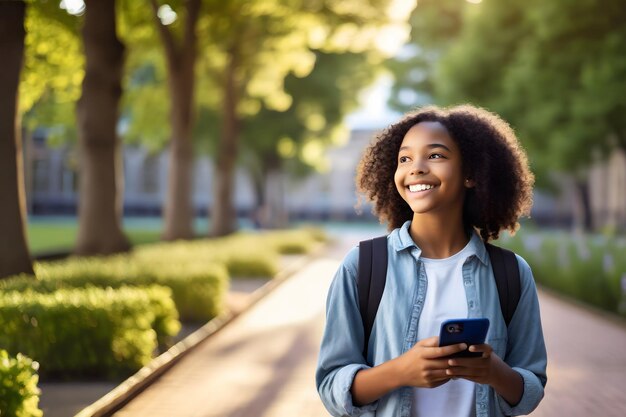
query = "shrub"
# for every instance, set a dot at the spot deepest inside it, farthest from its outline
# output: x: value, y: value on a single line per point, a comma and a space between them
x: 242, y: 255
x: 19, y: 394
x: 587, y: 268
x: 197, y: 290
x: 297, y: 241
x: 87, y: 332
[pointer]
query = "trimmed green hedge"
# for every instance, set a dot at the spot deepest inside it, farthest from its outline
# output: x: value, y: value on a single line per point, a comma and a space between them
x: 242, y: 255
x: 87, y: 332
x: 289, y: 242
x: 586, y: 267
x: 197, y: 271
x: 19, y: 395
x: 198, y: 290
x: 94, y: 316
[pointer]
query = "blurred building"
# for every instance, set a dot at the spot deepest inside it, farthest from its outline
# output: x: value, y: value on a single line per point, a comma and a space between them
x: 51, y: 184
x: 607, y: 192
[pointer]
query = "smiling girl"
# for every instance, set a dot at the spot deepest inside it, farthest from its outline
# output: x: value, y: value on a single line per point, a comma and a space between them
x: 446, y: 181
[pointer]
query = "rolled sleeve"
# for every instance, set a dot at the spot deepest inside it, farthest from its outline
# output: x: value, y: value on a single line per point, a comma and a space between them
x: 533, y: 393
x: 341, y: 351
x: 337, y: 396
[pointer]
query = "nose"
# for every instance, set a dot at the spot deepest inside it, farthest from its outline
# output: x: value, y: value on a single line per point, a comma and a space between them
x: 418, y: 167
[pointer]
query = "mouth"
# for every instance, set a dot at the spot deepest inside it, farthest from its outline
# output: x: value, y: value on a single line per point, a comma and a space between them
x: 417, y: 188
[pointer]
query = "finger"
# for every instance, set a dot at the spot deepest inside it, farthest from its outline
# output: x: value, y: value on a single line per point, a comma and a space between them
x: 436, y: 364
x: 463, y: 372
x: 485, y: 349
x: 477, y: 362
x: 439, y: 352
x: 481, y: 348
x: 429, y: 342
x: 436, y: 375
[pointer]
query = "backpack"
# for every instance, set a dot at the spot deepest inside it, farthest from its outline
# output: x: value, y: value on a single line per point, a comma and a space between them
x: 373, y: 274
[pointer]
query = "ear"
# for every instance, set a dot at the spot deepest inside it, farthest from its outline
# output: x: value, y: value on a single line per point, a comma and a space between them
x: 469, y: 183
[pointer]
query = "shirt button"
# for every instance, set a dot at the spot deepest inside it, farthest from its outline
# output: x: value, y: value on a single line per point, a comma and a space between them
x: 467, y: 282
x: 471, y: 304
x: 483, y: 406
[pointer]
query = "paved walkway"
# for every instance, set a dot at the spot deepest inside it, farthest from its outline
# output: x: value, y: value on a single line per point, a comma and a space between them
x: 262, y: 364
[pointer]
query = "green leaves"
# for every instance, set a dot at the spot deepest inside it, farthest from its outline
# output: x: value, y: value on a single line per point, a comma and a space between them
x: 19, y: 394
x: 555, y: 70
x: 53, y: 69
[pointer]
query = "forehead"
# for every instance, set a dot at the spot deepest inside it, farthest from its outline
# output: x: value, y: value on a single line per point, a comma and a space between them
x: 428, y: 131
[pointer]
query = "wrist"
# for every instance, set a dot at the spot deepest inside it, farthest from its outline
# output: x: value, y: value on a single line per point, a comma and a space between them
x: 397, y: 375
x: 506, y: 381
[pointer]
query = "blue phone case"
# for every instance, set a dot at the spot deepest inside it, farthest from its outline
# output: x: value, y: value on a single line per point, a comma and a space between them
x: 470, y: 331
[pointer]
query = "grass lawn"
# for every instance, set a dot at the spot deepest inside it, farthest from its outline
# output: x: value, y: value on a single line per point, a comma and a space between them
x: 57, y: 236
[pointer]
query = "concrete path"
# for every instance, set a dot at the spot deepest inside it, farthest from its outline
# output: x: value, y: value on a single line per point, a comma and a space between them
x: 586, y: 361
x: 263, y: 363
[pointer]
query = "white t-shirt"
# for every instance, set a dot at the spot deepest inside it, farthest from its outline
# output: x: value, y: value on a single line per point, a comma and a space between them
x: 445, y: 299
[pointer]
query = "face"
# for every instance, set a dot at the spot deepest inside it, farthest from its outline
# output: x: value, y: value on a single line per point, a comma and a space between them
x: 429, y: 175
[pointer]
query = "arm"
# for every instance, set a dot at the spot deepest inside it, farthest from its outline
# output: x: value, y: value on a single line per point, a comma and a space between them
x: 526, y: 349
x: 341, y: 351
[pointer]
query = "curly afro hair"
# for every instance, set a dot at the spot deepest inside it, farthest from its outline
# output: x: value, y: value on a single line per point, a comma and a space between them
x: 491, y: 155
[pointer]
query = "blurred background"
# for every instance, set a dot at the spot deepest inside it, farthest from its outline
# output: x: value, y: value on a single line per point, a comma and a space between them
x: 259, y: 119
x: 131, y: 122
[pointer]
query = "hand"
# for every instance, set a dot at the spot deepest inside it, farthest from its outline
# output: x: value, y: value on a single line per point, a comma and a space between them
x: 425, y: 364
x: 489, y: 369
x: 476, y: 369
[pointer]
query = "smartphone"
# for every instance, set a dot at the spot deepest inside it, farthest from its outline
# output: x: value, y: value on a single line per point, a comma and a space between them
x: 469, y: 331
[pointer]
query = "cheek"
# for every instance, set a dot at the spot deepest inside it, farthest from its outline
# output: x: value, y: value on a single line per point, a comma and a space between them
x: 398, y: 180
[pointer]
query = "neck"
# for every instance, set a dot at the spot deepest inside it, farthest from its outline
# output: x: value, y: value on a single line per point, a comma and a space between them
x: 438, y: 237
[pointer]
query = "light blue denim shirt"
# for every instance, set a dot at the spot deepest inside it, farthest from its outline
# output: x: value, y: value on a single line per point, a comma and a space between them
x: 395, y: 330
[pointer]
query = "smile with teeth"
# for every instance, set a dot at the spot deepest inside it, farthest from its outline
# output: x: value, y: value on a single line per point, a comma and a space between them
x: 420, y: 187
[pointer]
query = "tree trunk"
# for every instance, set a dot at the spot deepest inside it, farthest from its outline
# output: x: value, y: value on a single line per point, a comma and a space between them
x: 582, y: 207
x: 14, y: 256
x: 179, y: 212
x: 258, y: 179
x: 100, y: 180
x: 181, y: 59
x: 223, y: 217
x: 275, y: 185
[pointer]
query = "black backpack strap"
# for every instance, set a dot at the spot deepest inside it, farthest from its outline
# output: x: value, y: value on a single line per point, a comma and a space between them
x: 506, y: 273
x: 371, y: 280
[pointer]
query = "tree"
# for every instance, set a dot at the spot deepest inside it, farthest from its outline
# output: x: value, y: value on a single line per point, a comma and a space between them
x: 543, y: 67
x: 181, y: 59
x: 14, y: 255
x: 100, y: 208
x: 53, y: 69
x: 277, y: 142
x: 259, y: 43
x: 435, y: 24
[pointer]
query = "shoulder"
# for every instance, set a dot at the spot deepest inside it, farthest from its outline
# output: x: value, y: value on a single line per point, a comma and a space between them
x: 350, y: 263
x: 523, y: 265
x: 525, y: 273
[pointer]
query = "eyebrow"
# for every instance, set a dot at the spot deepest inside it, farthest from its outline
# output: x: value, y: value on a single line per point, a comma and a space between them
x: 431, y: 146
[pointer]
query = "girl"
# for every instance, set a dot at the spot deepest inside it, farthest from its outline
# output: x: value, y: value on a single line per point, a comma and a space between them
x: 445, y: 181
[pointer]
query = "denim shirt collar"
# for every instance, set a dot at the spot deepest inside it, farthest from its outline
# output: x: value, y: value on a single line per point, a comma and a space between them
x: 400, y: 239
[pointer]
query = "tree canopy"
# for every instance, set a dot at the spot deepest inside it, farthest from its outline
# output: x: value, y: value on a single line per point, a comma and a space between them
x: 555, y: 70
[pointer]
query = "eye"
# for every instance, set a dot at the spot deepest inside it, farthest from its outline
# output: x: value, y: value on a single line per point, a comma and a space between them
x: 403, y: 159
x: 436, y: 156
